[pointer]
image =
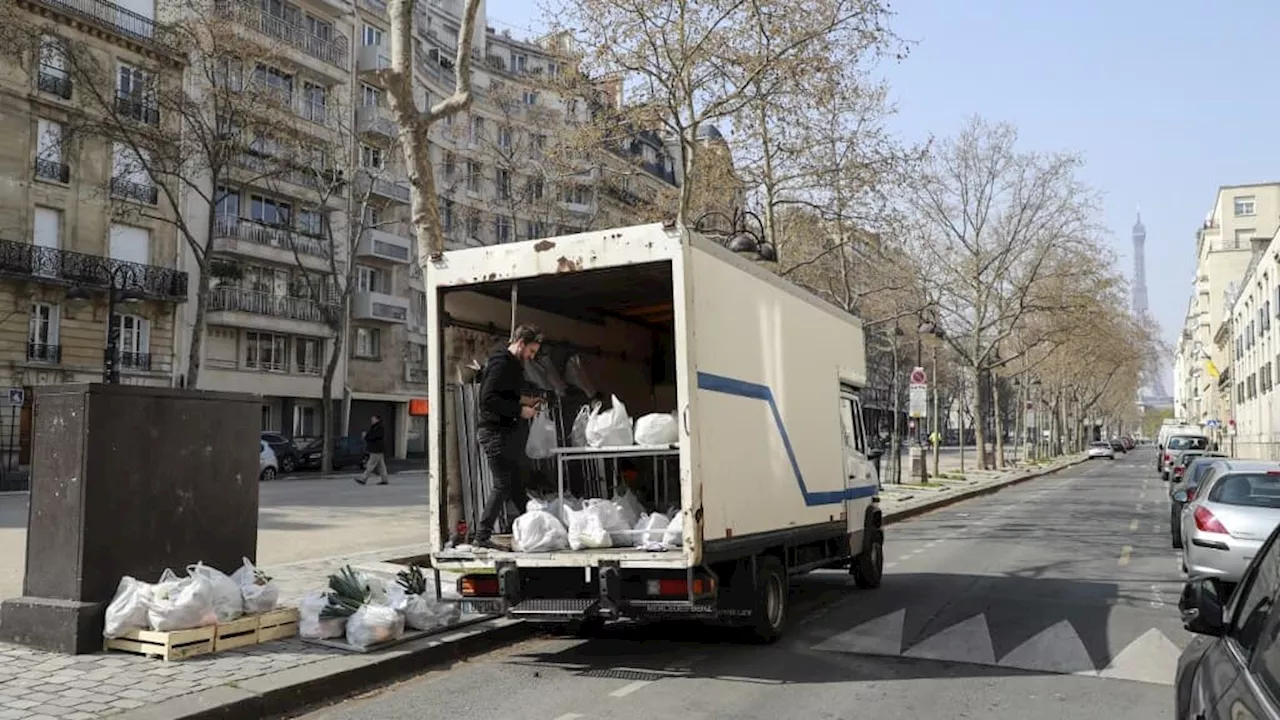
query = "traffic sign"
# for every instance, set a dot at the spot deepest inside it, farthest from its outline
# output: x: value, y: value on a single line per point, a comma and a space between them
x: 918, y: 376
x: 17, y: 396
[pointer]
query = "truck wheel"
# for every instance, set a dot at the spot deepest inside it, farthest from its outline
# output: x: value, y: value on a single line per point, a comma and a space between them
x: 868, y: 568
x: 770, y: 609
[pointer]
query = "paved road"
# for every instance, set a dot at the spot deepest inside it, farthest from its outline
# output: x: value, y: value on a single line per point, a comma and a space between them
x: 1055, y: 599
x: 297, y: 520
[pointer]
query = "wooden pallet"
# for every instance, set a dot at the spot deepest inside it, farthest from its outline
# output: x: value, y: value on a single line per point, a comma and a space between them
x: 183, y: 644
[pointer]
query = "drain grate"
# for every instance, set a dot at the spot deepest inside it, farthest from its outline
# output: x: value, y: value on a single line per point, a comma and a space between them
x: 620, y: 674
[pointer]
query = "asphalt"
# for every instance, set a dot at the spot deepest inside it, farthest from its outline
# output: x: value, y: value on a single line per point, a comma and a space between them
x: 1054, y: 599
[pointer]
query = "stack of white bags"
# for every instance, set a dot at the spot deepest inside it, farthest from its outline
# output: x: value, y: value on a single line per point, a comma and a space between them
x: 596, y: 523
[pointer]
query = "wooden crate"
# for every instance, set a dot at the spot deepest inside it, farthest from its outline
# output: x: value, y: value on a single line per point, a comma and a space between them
x: 277, y: 624
x: 173, y: 645
x: 237, y: 633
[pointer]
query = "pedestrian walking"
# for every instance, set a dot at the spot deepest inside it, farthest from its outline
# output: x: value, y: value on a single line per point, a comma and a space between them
x: 376, y: 445
x: 502, y: 407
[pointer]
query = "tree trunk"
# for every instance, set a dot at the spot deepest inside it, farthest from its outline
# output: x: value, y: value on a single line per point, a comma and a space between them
x: 196, y: 347
x: 895, y: 449
x: 999, y: 427
x: 326, y: 393
x: 979, y: 418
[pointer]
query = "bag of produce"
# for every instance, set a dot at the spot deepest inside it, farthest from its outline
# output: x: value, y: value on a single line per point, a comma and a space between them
x: 586, y: 529
x: 228, y: 603
x: 578, y: 434
x: 674, y: 534
x: 257, y: 590
x: 374, y: 624
x: 657, y: 429
x: 178, y: 603
x: 609, y: 428
x: 538, y: 531
x: 629, y: 507
x: 542, y: 436
x: 128, y: 609
x: 310, y: 623
x: 651, y: 528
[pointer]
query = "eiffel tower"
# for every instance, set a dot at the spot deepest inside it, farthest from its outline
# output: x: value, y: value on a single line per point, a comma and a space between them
x: 1152, y: 394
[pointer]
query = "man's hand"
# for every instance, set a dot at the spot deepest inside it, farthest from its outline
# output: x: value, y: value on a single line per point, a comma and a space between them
x: 530, y: 400
x: 527, y: 412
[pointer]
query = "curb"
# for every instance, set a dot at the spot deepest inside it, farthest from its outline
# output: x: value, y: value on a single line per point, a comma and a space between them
x: 908, y: 513
x: 291, y: 691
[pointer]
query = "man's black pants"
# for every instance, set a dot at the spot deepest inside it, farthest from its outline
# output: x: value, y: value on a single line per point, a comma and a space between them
x: 503, y: 450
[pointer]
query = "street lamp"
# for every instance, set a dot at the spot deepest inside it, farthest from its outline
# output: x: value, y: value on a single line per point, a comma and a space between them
x: 122, y: 286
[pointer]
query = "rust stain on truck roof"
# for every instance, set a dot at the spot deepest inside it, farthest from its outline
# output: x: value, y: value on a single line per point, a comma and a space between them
x: 564, y: 265
x: 543, y: 246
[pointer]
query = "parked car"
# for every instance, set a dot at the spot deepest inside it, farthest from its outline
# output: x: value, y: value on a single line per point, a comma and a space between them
x: 1129, y: 443
x: 286, y: 451
x: 1100, y: 449
x: 1233, y: 512
x: 1229, y: 670
x: 347, y: 452
x: 1184, y: 458
x: 1178, y: 443
x: 1117, y: 445
x: 268, y: 465
x: 1189, y: 482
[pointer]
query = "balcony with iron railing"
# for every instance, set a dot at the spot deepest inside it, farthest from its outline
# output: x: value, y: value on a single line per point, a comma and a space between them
x: 116, y: 20
x: 234, y: 299
x: 44, y: 352
x: 126, y: 189
x: 130, y: 360
x: 54, y: 81
x: 333, y: 51
x: 53, y: 170
x: 138, y: 109
x: 273, y: 236
x: 64, y: 267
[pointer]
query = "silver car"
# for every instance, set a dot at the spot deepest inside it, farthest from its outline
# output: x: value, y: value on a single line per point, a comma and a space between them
x: 1229, y: 518
x: 1101, y: 450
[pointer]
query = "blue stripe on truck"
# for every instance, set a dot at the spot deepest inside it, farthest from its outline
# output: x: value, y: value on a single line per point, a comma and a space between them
x: 755, y: 391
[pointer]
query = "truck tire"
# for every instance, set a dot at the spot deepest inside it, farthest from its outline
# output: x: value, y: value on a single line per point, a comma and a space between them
x: 769, y: 611
x: 868, y: 568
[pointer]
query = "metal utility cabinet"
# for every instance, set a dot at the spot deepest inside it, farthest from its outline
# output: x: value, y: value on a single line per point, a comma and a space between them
x: 775, y: 476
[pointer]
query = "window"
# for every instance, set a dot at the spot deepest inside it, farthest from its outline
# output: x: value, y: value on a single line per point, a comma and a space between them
x: 520, y: 63
x: 52, y: 77
x: 505, y: 138
x: 315, y: 102
x: 371, y: 36
x: 1245, y: 206
x: 446, y: 215
x: 477, y: 130
x: 529, y: 97
x: 304, y: 421
x: 311, y: 223
x: 475, y: 171
x: 266, y: 351
x: 136, y: 94
x: 536, y: 229
x: 536, y: 188
x: 369, y: 279
x: 134, y: 343
x: 228, y: 203
x: 371, y: 157
x: 274, y: 82
x: 49, y: 164
x: 129, y: 243
x: 370, y: 96
x: 577, y: 195
x: 473, y: 226
x: 504, y: 184
x: 47, y: 230
x: 846, y: 422
x: 372, y: 216
x: 502, y: 229
x: 319, y: 29
x: 269, y: 211
x: 42, y: 333
x: 308, y: 356
x: 130, y: 176
x: 368, y: 343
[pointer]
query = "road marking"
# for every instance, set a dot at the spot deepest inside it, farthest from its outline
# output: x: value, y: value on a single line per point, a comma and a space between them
x: 1139, y: 507
x: 626, y: 690
x: 890, y: 566
x: 1124, y: 554
x: 570, y: 716
x: 1133, y: 524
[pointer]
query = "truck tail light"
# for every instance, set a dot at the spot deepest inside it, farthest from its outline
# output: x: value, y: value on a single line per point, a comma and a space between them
x: 1206, y: 522
x: 478, y: 586
x: 679, y: 587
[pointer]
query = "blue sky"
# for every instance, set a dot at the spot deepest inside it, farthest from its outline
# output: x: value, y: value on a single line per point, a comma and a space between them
x: 1165, y: 100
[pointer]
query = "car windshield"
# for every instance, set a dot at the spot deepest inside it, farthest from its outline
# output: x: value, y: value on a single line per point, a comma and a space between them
x: 1188, y: 442
x: 1196, y: 470
x: 1258, y: 489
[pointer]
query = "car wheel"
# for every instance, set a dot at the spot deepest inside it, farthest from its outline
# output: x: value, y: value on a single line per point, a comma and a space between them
x: 286, y: 464
x: 770, y: 611
x: 868, y: 568
x: 268, y: 474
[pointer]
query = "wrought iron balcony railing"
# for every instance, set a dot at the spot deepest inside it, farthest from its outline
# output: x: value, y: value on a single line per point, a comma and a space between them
x: 65, y: 267
x: 53, y: 170
x: 44, y: 352
x: 233, y: 299
x: 54, y: 82
x: 132, y: 360
x: 270, y: 235
x: 331, y: 50
x: 118, y: 20
x: 138, y: 109
x: 136, y: 191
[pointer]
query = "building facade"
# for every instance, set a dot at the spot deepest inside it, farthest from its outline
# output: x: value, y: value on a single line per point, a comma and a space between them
x: 75, y: 222
x: 1236, y: 230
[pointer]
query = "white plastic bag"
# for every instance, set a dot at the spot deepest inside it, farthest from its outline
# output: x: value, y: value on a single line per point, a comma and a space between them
x: 578, y: 434
x: 674, y: 534
x: 311, y: 625
x: 586, y: 530
x: 228, y: 603
x: 542, y: 436
x: 181, y: 603
x: 259, y: 594
x: 609, y: 428
x: 422, y: 612
x: 630, y: 509
x: 373, y: 624
x: 538, y: 531
x: 128, y: 609
x: 657, y: 429
x: 651, y: 528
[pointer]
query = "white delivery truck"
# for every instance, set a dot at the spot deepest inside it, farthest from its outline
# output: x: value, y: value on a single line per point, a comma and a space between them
x: 773, y: 475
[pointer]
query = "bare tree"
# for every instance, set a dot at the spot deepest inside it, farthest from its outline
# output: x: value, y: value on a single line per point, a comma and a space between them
x: 690, y: 63
x: 175, y: 144
x: 992, y: 222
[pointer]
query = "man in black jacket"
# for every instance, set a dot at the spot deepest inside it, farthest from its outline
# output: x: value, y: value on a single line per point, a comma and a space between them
x: 376, y: 445
x: 502, y: 407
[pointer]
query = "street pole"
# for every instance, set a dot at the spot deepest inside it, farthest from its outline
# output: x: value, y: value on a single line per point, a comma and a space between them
x: 960, y: 417
x: 937, y: 416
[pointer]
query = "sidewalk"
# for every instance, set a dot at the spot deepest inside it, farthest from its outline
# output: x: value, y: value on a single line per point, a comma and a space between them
x: 285, y: 676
